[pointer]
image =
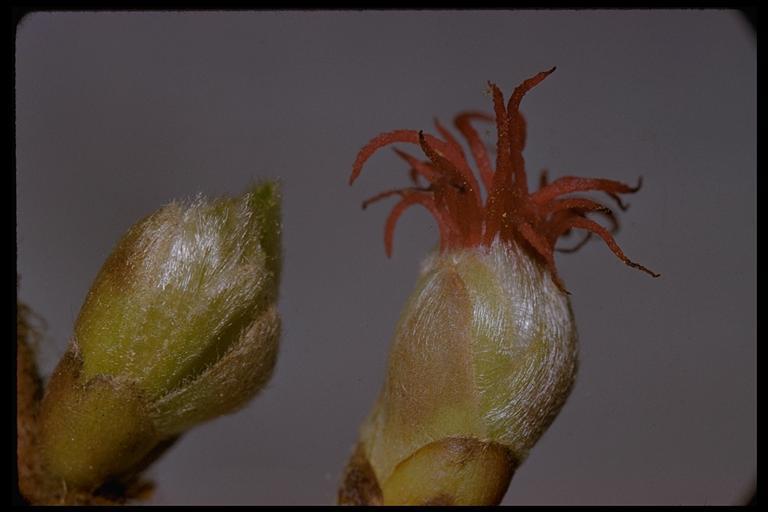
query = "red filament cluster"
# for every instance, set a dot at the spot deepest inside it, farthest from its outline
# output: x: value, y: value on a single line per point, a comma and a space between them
x: 536, y: 220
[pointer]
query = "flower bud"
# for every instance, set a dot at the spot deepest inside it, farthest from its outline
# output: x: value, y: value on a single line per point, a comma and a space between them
x: 180, y: 326
x: 484, y: 354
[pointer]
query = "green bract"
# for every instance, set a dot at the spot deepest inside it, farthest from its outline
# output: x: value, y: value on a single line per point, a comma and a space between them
x: 180, y: 326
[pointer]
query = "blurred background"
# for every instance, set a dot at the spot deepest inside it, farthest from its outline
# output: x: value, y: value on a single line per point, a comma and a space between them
x: 118, y: 113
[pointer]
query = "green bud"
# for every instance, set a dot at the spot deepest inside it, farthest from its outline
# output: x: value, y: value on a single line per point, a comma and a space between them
x: 180, y: 326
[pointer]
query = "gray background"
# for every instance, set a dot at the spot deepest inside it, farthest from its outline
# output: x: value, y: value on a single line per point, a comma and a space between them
x: 118, y: 113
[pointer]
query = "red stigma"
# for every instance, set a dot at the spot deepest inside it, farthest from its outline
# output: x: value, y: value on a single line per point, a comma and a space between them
x: 511, y: 213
